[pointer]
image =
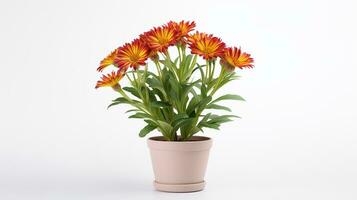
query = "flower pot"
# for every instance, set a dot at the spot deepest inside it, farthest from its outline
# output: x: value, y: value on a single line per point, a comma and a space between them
x: 179, y: 166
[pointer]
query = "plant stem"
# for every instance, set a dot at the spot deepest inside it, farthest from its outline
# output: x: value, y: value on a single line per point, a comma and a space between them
x: 124, y: 95
x: 157, y: 64
x: 193, y: 63
x: 210, y: 73
x: 167, y: 53
x: 135, y: 81
x: 183, y: 48
x: 207, y: 71
x: 131, y: 81
x: 213, y: 70
x: 179, y: 52
x: 215, y: 87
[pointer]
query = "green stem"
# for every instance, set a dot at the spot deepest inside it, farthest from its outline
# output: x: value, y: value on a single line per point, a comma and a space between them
x: 167, y: 53
x: 135, y: 80
x: 193, y: 63
x: 171, y: 67
x: 179, y: 52
x: 207, y: 71
x: 215, y: 87
x: 157, y: 64
x: 183, y: 48
x: 213, y: 68
x: 131, y: 81
x: 210, y: 72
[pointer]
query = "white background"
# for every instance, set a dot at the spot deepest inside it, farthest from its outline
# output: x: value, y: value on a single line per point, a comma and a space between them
x: 296, y: 139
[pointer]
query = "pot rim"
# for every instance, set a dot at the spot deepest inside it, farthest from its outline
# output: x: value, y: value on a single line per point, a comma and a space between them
x: 201, y: 143
x: 195, y: 138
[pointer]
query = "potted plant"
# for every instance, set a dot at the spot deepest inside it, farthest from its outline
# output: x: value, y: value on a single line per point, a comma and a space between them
x: 173, y: 91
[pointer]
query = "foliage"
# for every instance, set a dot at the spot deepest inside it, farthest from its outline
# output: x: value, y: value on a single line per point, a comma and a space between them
x: 178, y: 99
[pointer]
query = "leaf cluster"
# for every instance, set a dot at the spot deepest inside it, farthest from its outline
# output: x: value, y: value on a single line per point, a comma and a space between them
x: 179, y: 99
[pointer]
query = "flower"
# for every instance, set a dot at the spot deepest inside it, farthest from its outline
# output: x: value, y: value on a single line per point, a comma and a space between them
x: 197, y: 36
x: 160, y: 38
x: 109, y: 60
x: 234, y: 57
x: 152, y: 54
x: 131, y: 55
x: 110, y: 80
x: 207, y: 46
x: 182, y: 29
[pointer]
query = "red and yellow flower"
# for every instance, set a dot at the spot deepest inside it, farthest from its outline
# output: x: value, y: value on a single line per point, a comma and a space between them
x: 152, y: 54
x: 234, y: 57
x: 110, y: 80
x: 131, y: 55
x: 207, y: 46
x: 197, y: 36
x: 109, y: 60
x: 183, y: 28
x: 160, y: 38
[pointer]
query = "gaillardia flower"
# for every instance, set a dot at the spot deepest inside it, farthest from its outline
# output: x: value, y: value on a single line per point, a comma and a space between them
x: 131, y: 55
x: 197, y: 36
x: 110, y: 80
x: 152, y: 54
x: 207, y: 46
x: 109, y: 60
x: 160, y: 38
x: 234, y: 57
x: 182, y: 29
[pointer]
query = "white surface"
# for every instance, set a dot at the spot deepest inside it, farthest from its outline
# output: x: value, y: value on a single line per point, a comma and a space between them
x: 296, y: 139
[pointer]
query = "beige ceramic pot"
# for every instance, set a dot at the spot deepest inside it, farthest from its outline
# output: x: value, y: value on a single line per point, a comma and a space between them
x: 179, y: 166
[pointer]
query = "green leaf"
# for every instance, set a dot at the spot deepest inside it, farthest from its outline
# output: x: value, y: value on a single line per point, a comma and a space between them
x: 120, y: 100
x: 147, y: 129
x: 151, y: 122
x: 132, y: 110
x: 113, y: 104
x: 195, y: 130
x: 228, y: 76
x: 158, y: 93
x: 160, y: 104
x: 193, y: 104
x: 201, y: 71
x: 152, y: 74
x: 169, y: 64
x: 140, y: 115
x: 152, y: 96
x: 182, y: 122
x: 210, y: 125
x: 206, y: 117
x: 155, y: 83
x: 202, y: 105
x: 176, y: 60
x: 166, y: 129
x: 173, y: 82
x: 221, y: 119
x: 214, y: 121
x: 132, y: 90
x: 218, y: 107
x: 228, y: 97
x: 203, y: 90
x: 186, y: 89
x: 185, y: 66
x: 212, y: 83
x: 187, y: 61
x: 124, y: 100
x: 179, y: 117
